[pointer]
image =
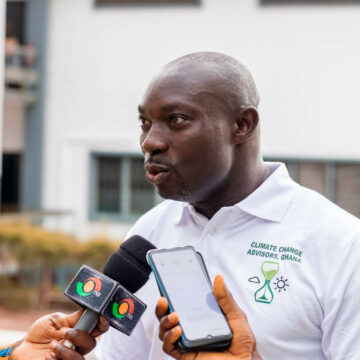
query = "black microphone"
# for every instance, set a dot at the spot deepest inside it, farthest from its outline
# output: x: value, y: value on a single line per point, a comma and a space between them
x: 128, y: 265
x: 126, y: 271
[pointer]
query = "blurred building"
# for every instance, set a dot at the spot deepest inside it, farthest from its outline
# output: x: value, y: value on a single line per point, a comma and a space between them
x: 76, y: 70
x: 23, y: 106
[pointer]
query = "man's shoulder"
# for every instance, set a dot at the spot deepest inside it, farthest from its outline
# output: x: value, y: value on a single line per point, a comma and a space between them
x: 323, y: 214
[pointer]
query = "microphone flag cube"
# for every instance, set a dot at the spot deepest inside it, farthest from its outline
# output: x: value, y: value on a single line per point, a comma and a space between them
x: 98, y: 292
x: 124, y: 310
x: 90, y: 288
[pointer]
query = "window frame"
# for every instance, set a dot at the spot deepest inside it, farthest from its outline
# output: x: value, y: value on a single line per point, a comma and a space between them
x: 308, y: 2
x: 125, y: 182
x: 125, y: 189
x: 293, y: 163
x: 146, y: 3
x: 331, y: 186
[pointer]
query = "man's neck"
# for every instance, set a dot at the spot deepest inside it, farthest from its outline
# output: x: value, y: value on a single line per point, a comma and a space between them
x: 234, y: 191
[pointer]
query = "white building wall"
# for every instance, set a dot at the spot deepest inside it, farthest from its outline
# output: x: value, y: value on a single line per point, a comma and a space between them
x: 305, y: 61
x: 13, y: 127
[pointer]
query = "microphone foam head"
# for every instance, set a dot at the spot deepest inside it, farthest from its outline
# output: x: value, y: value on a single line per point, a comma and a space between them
x: 128, y: 265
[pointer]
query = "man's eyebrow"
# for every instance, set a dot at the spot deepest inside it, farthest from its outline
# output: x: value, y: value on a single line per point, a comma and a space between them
x: 169, y: 107
x: 174, y: 105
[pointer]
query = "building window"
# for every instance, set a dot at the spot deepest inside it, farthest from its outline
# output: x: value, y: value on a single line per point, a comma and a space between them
x: 15, y: 21
x: 338, y: 180
x: 10, y: 183
x: 312, y: 175
x: 108, y: 184
x: 308, y: 2
x: 141, y: 191
x: 145, y: 2
x: 118, y: 188
x: 348, y: 187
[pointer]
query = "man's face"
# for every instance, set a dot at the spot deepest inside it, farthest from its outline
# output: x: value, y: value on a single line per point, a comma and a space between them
x: 186, y: 136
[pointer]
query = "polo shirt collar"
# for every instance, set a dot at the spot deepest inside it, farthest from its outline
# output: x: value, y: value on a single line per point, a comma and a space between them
x: 273, y: 197
x: 269, y: 201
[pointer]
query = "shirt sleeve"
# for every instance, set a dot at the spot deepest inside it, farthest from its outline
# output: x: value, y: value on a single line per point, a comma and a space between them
x: 5, y: 352
x: 115, y: 345
x: 341, y: 324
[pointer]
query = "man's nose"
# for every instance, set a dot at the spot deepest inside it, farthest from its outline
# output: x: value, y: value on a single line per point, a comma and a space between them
x: 154, y: 141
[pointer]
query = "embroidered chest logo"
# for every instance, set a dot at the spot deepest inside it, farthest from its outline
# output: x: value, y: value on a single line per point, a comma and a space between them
x: 275, y: 255
x: 275, y: 252
x: 265, y: 294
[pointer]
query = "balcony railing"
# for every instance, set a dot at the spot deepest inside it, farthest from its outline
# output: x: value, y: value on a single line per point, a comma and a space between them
x: 20, y: 75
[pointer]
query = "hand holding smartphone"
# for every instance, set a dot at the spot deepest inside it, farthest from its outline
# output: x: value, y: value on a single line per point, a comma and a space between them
x: 183, y: 280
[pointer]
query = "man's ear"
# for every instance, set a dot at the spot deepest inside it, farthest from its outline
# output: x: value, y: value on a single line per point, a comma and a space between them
x: 245, y: 125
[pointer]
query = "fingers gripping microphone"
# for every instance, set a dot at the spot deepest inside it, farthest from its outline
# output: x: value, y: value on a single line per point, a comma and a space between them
x: 110, y: 294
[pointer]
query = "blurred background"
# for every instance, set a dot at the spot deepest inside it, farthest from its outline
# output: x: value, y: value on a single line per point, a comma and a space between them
x: 72, y: 180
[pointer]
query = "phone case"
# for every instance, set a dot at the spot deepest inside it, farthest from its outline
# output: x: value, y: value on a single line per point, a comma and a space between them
x: 208, y: 345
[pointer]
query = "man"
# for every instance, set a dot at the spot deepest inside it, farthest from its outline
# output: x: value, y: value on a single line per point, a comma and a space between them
x: 288, y: 255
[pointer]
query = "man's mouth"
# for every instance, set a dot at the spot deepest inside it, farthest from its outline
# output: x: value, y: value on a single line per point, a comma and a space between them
x: 157, y: 173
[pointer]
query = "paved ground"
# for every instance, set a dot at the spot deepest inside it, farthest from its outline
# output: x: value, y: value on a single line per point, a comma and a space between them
x: 14, y: 324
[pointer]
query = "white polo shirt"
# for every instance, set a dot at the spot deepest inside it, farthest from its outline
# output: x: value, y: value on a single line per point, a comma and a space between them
x: 291, y: 259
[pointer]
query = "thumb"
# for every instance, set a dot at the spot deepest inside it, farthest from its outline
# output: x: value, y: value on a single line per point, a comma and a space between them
x: 226, y: 301
x: 71, y: 319
x: 243, y: 342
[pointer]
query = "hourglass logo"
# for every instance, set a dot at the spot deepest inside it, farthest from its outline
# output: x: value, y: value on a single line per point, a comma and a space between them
x: 90, y: 286
x: 265, y: 294
x: 125, y: 308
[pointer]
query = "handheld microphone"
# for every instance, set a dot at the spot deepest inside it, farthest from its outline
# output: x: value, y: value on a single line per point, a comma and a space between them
x: 110, y: 294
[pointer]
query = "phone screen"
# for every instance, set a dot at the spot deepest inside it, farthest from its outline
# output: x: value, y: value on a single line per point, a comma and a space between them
x: 190, y: 294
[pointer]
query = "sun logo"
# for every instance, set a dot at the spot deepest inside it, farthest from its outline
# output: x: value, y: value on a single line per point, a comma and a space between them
x: 125, y: 308
x: 281, y: 284
x: 90, y: 286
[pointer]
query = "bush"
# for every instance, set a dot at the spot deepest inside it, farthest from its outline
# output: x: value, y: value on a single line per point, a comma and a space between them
x: 96, y: 251
x: 30, y: 244
x: 15, y: 297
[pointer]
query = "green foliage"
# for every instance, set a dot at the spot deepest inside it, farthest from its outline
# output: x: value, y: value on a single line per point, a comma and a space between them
x: 15, y: 297
x: 31, y: 245
x: 96, y: 251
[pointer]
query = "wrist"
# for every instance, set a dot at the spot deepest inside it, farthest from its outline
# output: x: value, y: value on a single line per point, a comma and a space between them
x: 245, y: 356
x: 14, y: 352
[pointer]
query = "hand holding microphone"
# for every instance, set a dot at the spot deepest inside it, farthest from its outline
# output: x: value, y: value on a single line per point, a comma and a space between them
x: 44, y: 341
x: 126, y: 271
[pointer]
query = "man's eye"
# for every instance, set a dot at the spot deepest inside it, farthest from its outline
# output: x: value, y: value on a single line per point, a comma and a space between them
x: 144, y: 122
x: 177, y: 120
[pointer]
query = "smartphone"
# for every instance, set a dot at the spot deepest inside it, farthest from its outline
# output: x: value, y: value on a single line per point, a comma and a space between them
x: 182, y: 279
